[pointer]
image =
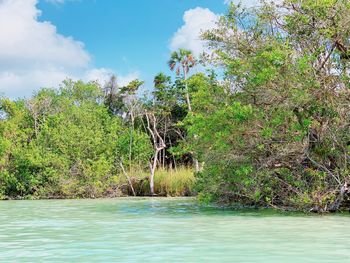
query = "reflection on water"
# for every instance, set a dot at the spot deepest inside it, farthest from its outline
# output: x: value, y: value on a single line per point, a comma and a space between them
x: 165, y: 230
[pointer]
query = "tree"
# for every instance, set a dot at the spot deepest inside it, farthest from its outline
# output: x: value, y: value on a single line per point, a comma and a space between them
x: 275, y: 132
x: 65, y: 143
x: 132, y: 105
x: 182, y: 61
x: 113, y: 98
x: 158, y: 144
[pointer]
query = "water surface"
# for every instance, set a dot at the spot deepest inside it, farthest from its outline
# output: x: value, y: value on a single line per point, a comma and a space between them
x: 165, y: 230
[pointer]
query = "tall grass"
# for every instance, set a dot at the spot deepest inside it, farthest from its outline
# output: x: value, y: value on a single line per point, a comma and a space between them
x: 167, y: 182
x: 174, y: 182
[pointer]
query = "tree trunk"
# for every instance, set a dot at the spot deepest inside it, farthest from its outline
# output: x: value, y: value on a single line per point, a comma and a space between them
x: 128, y: 178
x: 164, y: 150
x: 132, y: 128
x: 158, y: 144
x: 196, y: 165
x: 36, y: 127
x: 174, y: 160
x: 344, y: 190
x: 188, y: 101
x: 152, y: 171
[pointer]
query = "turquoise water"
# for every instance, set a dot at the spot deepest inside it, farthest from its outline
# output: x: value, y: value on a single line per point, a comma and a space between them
x: 165, y: 230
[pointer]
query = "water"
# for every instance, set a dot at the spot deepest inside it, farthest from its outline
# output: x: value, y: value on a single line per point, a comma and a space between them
x: 165, y: 230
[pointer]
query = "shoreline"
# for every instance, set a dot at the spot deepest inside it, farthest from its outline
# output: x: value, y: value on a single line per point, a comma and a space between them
x: 231, y: 207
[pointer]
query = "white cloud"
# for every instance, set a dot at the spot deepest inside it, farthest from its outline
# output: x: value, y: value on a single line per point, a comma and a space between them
x: 34, y: 55
x: 196, y: 21
x: 14, y: 84
x: 103, y: 74
x: 98, y: 74
x: 27, y: 40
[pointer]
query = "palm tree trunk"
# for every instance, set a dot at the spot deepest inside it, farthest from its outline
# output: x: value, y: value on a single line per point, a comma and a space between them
x: 188, y: 101
x: 195, y: 161
x: 132, y: 128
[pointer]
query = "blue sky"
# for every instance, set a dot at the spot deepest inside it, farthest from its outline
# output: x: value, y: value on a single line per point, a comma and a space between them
x: 121, y: 34
x: 46, y: 41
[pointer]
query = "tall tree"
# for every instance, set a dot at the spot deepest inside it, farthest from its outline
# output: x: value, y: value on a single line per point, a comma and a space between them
x: 132, y: 106
x: 182, y: 61
x: 112, y: 97
x: 278, y: 134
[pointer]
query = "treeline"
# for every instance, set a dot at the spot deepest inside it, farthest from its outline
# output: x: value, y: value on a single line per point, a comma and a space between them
x: 84, y: 140
x: 266, y: 123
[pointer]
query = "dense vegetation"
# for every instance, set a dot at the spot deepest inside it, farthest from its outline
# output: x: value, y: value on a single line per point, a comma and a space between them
x: 84, y: 141
x: 278, y: 132
x: 267, y: 124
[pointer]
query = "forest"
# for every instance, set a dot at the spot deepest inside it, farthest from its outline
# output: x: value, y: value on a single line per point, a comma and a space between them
x: 260, y: 119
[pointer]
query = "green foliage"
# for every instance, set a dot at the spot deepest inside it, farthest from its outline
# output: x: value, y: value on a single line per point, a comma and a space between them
x: 64, y: 144
x: 275, y: 130
x: 140, y: 145
x: 270, y: 127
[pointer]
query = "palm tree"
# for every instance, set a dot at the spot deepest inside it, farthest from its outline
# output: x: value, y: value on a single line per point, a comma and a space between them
x: 181, y: 61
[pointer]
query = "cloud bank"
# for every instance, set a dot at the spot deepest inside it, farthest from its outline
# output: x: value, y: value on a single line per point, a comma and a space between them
x: 34, y: 55
x: 196, y: 21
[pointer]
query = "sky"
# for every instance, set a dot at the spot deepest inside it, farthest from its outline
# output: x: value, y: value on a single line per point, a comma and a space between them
x: 43, y: 42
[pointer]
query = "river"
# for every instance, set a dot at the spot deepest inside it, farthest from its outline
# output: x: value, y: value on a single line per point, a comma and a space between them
x: 165, y: 230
